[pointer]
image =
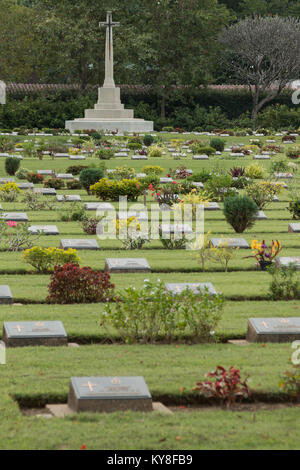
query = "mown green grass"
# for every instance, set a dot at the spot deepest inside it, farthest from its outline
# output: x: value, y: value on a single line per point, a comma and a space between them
x: 41, y: 375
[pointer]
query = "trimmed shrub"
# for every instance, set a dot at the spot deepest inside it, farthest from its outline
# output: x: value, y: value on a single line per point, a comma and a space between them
x: 70, y: 284
x: 44, y: 259
x: 148, y: 140
x: 217, y: 144
x: 76, y: 169
x: 90, y: 176
x: 152, y: 170
x: 240, y: 212
x: 104, y: 154
x: 12, y: 165
x: 155, y: 152
x: 254, y: 171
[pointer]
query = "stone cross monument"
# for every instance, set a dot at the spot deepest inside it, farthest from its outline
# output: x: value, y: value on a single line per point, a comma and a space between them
x: 109, y: 51
x: 109, y: 112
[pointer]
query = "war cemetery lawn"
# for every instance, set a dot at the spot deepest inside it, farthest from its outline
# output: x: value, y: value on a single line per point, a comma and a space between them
x: 36, y: 376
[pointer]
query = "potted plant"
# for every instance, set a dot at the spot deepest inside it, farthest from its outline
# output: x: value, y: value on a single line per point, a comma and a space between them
x: 265, y: 254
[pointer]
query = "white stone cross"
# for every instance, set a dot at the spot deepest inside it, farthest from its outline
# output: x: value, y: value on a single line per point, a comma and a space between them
x: 109, y: 50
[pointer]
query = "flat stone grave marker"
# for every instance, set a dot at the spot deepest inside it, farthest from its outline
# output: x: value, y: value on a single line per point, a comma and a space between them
x: 25, y: 185
x: 261, y: 157
x: 141, y: 216
x: 72, y: 198
x: 79, y: 244
x: 212, y: 206
x: 76, y: 157
x: 294, y: 228
x: 61, y: 155
x: 15, y: 216
x: 200, y: 157
x: 261, y: 216
x: 273, y: 330
x: 45, y: 229
x: 176, y: 228
x: 139, y: 157
x: 65, y: 176
x: 237, y: 154
x: 275, y: 199
x: 60, y: 198
x: 101, y: 206
x: 109, y: 394
x: 232, y: 242
x: 141, y: 175
x: 5, y: 295
x: 121, y: 154
x: 45, y: 191
x: 288, y: 260
x: 283, y: 175
x: 45, y: 172
x: 7, y: 180
x: 4, y: 154
x: 127, y: 265
x: 166, y: 180
x: 48, y: 333
x: 198, y: 184
x: 196, y: 288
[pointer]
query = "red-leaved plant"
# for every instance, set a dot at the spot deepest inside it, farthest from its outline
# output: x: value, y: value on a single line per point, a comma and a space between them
x: 225, y: 385
x: 70, y: 284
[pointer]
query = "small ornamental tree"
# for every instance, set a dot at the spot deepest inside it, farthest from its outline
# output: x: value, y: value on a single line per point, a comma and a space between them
x: 240, y: 212
x: 70, y: 284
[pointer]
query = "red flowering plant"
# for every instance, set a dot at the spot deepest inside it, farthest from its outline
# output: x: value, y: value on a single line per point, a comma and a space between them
x: 226, y: 385
x: 166, y: 194
x: 35, y: 178
x: 70, y: 284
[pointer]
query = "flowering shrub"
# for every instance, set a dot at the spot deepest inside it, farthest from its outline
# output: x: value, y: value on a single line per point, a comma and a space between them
x: 254, y: 171
x: 166, y: 194
x: 90, y: 224
x: 152, y: 314
x: 223, y: 254
x: 104, y: 153
x: 111, y: 190
x: 44, y: 259
x: 155, y: 152
x: 290, y: 381
x: 263, y: 192
x: 294, y: 207
x: 55, y: 183
x: 134, y: 240
x: 152, y: 170
x: 122, y: 172
x: 9, y: 192
x: 34, y: 178
x: 70, y: 284
x: 193, y: 199
x: 293, y: 153
x: 226, y: 385
x: 15, y: 236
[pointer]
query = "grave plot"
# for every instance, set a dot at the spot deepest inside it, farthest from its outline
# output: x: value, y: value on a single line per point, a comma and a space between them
x: 79, y: 244
x: 127, y: 265
x: 20, y: 334
x: 274, y: 330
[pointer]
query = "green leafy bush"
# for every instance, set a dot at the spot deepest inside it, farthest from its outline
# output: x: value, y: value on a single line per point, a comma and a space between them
x: 44, y: 259
x: 12, y: 165
x: 294, y: 207
x: 111, y: 190
x: 155, y: 152
x: 104, y: 154
x: 164, y: 316
x: 90, y: 176
x: 240, y: 212
x: 148, y: 140
x: 285, y: 284
x: 220, y: 186
x: 217, y: 144
x: 55, y: 183
x: 70, y: 284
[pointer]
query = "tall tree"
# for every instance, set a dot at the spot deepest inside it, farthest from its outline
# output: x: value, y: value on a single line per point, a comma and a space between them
x: 263, y: 52
x: 174, y: 43
x: 18, y: 44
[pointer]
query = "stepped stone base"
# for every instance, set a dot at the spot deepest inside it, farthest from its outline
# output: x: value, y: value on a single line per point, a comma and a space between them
x: 109, y: 114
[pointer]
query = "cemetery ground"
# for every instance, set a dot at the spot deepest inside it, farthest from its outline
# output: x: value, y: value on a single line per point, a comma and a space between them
x: 36, y: 376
